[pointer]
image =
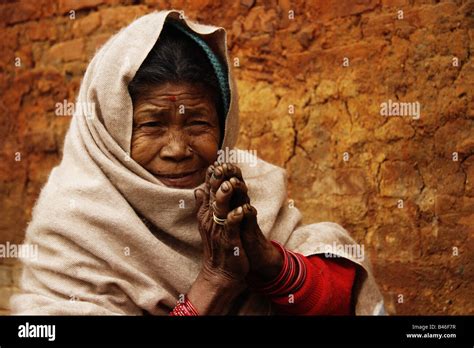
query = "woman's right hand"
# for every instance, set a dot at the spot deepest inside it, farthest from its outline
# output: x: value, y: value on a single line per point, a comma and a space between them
x: 225, y: 263
x: 224, y: 258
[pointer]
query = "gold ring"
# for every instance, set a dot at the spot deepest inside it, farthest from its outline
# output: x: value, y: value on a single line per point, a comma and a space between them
x: 217, y: 220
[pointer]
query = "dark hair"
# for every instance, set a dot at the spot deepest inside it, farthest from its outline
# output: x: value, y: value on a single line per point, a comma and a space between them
x: 176, y: 58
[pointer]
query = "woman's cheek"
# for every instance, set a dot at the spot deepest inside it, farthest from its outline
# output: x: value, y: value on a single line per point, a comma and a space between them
x: 206, y: 145
x: 143, y: 147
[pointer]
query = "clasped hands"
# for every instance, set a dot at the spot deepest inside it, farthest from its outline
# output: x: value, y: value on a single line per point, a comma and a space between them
x: 234, y: 247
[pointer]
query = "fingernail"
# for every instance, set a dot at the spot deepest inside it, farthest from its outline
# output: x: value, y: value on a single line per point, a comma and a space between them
x: 225, y: 186
x: 238, y: 211
x: 217, y: 173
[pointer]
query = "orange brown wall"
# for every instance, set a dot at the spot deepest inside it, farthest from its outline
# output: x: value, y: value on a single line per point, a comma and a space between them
x: 311, y: 76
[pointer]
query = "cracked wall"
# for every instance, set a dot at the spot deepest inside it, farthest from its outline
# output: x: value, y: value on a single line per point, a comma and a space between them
x: 310, y: 93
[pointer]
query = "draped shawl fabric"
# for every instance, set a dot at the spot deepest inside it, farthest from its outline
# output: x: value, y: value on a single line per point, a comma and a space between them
x: 112, y: 239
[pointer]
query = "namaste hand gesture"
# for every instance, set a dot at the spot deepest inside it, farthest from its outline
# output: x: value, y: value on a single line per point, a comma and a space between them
x: 235, y: 249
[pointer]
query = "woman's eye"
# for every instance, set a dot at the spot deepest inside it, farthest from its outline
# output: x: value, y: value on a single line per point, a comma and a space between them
x: 199, y: 123
x: 151, y: 124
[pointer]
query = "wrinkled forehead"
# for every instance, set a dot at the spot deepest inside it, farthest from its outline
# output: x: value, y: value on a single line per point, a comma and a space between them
x: 177, y: 91
x: 184, y: 98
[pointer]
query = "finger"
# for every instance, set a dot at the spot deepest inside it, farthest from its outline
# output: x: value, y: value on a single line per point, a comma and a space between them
x: 240, y: 196
x: 209, y: 172
x: 249, y: 216
x: 202, y: 198
x: 231, y: 170
x: 223, y: 172
x: 221, y: 205
x: 250, y: 231
x: 232, y: 223
x: 215, y: 181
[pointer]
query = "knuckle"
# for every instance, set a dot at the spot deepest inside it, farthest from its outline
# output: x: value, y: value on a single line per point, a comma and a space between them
x: 235, y: 181
x: 210, y: 170
x: 227, y: 224
x: 215, y: 207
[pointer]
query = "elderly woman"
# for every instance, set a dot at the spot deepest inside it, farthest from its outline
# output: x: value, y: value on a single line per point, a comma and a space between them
x: 140, y: 218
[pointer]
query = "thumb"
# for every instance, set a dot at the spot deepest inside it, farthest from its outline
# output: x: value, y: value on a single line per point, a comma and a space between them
x: 201, y: 197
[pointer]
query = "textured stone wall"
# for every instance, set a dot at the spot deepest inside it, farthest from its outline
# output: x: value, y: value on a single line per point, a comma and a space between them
x: 312, y: 76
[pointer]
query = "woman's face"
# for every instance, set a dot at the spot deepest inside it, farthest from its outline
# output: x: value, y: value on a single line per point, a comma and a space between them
x: 175, y: 133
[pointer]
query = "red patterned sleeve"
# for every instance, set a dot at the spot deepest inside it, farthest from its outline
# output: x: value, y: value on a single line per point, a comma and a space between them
x: 327, y: 289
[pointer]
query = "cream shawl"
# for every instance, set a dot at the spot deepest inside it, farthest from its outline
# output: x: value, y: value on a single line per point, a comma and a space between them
x: 111, y: 238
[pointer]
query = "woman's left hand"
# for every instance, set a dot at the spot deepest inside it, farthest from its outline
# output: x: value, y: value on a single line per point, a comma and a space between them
x: 265, y: 261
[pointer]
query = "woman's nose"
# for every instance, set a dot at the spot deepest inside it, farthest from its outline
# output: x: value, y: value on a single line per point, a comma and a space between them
x: 177, y: 149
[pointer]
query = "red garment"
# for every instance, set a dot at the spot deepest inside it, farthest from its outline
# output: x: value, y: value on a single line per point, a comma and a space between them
x: 327, y: 289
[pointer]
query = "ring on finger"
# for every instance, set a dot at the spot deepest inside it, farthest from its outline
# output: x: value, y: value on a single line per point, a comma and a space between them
x: 217, y: 220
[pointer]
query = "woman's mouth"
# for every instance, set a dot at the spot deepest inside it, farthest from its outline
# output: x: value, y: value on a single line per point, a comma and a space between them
x: 181, y: 180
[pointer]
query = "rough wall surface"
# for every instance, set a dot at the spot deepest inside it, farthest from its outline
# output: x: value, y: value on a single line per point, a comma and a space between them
x: 312, y: 76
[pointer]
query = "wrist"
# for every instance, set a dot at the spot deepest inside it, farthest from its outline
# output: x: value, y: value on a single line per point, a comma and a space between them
x: 290, y: 278
x: 184, y: 308
x: 218, y: 280
x: 270, y: 266
x: 213, y: 293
